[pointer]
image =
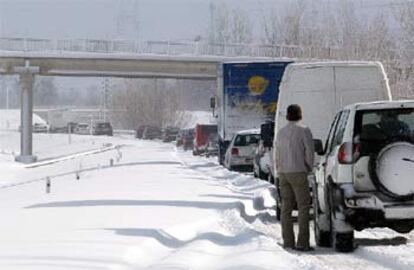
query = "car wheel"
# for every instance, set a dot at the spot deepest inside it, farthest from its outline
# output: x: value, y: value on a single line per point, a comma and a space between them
x: 254, y: 172
x: 262, y: 175
x: 270, y: 179
x: 322, y: 237
x: 341, y: 241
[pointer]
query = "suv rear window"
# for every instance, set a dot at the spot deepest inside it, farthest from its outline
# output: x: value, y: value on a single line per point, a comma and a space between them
x: 374, y: 128
x: 245, y: 140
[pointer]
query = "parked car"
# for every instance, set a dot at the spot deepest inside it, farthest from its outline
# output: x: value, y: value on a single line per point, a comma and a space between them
x: 140, y: 131
x: 240, y: 153
x: 201, y: 136
x: 188, y: 139
x: 262, y: 162
x: 169, y: 134
x: 212, y: 147
x: 102, y: 128
x: 179, y: 139
x: 72, y: 127
x: 58, y: 129
x: 37, y: 128
x: 151, y: 133
x: 40, y: 128
x: 365, y: 175
x: 180, y: 136
x: 83, y: 129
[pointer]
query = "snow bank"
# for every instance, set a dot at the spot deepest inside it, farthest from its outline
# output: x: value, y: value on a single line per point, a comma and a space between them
x: 10, y: 119
x: 198, y: 117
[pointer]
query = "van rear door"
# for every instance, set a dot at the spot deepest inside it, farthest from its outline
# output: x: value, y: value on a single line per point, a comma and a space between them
x: 313, y: 89
x: 362, y: 83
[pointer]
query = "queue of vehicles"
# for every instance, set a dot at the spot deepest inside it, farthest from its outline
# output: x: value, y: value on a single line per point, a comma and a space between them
x: 363, y: 171
x: 362, y: 175
x: 97, y: 128
x: 201, y: 140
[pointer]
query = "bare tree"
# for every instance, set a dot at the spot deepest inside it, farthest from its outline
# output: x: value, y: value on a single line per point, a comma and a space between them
x: 228, y: 25
x: 404, y: 15
x: 45, y: 91
x: 150, y: 102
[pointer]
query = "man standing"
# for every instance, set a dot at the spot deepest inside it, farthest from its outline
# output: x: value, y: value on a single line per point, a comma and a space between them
x: 294, y: 160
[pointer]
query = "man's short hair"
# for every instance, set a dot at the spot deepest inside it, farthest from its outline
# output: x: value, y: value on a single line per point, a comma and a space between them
x: 294, y: 113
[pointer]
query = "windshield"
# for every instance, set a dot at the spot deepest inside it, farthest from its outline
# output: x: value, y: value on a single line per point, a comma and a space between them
x: 246, y: 140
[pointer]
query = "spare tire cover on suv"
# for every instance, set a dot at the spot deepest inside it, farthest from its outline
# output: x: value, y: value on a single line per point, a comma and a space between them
x: 392, y: 170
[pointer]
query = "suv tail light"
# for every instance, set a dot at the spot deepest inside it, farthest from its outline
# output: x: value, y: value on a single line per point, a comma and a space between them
x: 234, y: 151
x: 349, y: 152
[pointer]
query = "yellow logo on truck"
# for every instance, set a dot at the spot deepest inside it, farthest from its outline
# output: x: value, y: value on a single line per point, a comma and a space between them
x: 257, y: 85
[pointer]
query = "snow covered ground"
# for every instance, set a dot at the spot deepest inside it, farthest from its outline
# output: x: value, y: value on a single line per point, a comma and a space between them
x: 156, y: 208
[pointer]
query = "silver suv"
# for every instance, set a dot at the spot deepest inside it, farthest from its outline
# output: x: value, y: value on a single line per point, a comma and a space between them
x: 365, y: 175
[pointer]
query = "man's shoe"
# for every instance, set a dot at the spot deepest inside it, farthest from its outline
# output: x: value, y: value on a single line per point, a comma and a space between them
x: 304, y: 249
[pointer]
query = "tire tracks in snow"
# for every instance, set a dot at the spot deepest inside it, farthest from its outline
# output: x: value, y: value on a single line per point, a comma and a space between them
x: 364, y: 258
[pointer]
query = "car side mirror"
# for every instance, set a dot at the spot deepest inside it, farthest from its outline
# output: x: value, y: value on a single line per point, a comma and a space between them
x: 318, y: 145
x: 267, y: 133
x: 212, y: 102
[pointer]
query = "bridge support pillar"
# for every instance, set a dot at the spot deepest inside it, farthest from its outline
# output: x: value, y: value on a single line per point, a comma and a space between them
x: 26, y: 113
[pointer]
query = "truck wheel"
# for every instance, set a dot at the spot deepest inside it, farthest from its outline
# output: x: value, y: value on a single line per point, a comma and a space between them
x: 343, y: 241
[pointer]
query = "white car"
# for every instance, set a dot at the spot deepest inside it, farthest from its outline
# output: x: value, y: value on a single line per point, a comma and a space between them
x: 240, y: 153
x: 83, y: 129
x: 365, y: 175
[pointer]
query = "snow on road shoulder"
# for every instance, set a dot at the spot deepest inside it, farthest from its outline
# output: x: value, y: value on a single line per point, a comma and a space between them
x: 378, y: 248
x: 162, y: 208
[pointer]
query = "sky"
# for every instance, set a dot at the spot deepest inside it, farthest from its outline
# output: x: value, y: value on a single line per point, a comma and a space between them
x: 97, y: 19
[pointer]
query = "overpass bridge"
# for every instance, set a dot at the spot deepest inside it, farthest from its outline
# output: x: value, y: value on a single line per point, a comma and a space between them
x: 127, y: 59
x: 28, y: 57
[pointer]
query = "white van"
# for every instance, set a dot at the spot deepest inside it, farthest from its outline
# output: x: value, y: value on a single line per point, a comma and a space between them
x: 322, y: 89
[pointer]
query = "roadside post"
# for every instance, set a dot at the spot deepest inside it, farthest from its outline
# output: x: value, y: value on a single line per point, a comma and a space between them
x: 48, y: 184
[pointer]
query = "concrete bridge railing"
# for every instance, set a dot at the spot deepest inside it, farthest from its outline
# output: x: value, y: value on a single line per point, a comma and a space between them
x: 161, y: 48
